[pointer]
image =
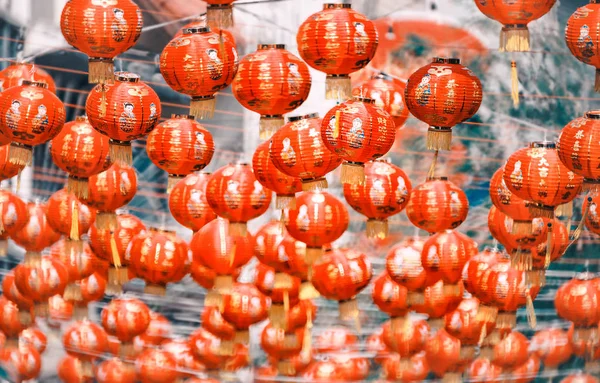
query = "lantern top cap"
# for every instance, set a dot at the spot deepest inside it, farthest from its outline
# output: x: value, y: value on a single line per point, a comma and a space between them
x: 445, y: 60
x: 585, y: 276
x: 303, y: 117
x: 81, y: 118
x: 39, y: 84
x: 543, y: 144
x: 382, y: 76
x: 261, y: 47
x: 593, y: 114
x: 437, y: 179
x: 336, y: 6
x: 186, y: 116
x: 366, y: 100
x: 127, y: 77
x: 192, y: 30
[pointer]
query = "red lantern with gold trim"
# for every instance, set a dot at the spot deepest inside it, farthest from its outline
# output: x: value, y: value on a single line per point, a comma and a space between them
x: 126, y: 318
x: 464, y: 324
x: 271, y: 82
x: 581, y: 36
x: 338, y: 41
x: 592, y: 219
x: 474, y: 271
x: 8, y: 169
x: 436, y: 301
x: 280, y: 344
x: 437, y: 205
x: 180, y: 146
x: 512, y: 351
x: 23, y: 358
x: 207, y: 348
x: 243, y: 306
x: 155, y: 365
x: 412, y: 369
x: 388, y: 94
x: 357, y: 131
x: 79, y: 263
x: 199, y: 63
x: 274, y: 246
x: 283, y: 289
x: 213, y: 322
x: 69, y: 217
x: 30, y: 115
x: 553, y: 248
x: 511, y: 205
x: 578, y: 301
x: 298, y: 150
x: 182, y: 351
x: 580, y: 378
x: 445, y: 356
x: 37, y: 233
x: 14, y: 214
x: 102, y: 29
x: 407, y: 339
x: 501, y: 228
x: 16, y: 73
x: 284, y: 186
x: 35, y: 337
x: 188, y: 204
x: 483, y: 370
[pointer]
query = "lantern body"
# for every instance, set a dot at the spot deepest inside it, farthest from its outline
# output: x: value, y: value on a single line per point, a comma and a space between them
x: 14, y: 213
x: 35, y: 337
x: 79, y: 264
x: 464, y: 324
x: 559, y: 242
x: 85, y: 340
x: 512, y: 351
x: 437, y: 205
x: 92, y: 288
x: 280, y: 344
x: 408, y: 339
x: 388, y: 94
x: 188, y: 204
x: 335, y: 339
x: 443, y: 94
x: 403, y: 264
x: 552, y: 346
x: 10, y: 323
x: 16, y: 73
x: 577, y: 301
x: 580, y: 37
x: 213, y: 322
x: 446, y: 253
x: 437, y: 301
x: 274, y: 246
x: 24, y: 358
x: 125, y: 318
x: 244, y: 306
x: 580, y: 378
x: 59, y: 309
x: 115, y: 371
x: 592, y: 220
x: 341, y: 274
x: 415, y: 371
x: 12, y: 293
x: 477, y: 265
x: 501, y: 228
x: 509, y: 204
x: 205, y: 347
x: 101, y: 240
x: 390, y: 297
x: 181, y: 350
x: 483, y: 370
x: 158, y: 330
x: 7, y: 168
x: 443, y: 352
x: 577, y: 143
x: 323, y: 371
x: 279, y: 290
x: 156, y: 366
x: 40, y: 282
x: 60, y: 212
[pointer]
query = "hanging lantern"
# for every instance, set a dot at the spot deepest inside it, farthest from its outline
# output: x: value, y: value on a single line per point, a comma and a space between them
x: 284, y: 186
x: 446, y: 357
x: 390, y: 297
x: 126, y: 318
x: 85, y: 341
x: 69, y: 217
x: 318, y: 219
x: 36, y: 235
x: 35, y: 337
x: 184, y: 357
x: 14, y: 215
x: 437, y: 301
x: 437, y: 205
x: 412, y: 369
x: 92, y: 290
x: 180, y: 146
x: 483, y: 370
x: 80, y: 151
x: 124, y: 111
x: 512, y: 351
x: 11, y: 320
x: 206, y: 348
x: 115, y: 371
x: 338, y: 41
x: 592, y: 219
x: 206, y: 277
x: 357, y: 131
x: 552, y: 346
x: 460, y: 98
x: 323, y: 370
x: 30, y: 115
x: 8, y: 169
x: 23, y: 303
x: 234, y: 193
x: 213, y: 322
x: 102, y: 30
x: 388, y: 94
x: 298, y: 150
x: 511, y: 205
x: 335, y: 339
x: 280, y: 344
x: 16, y: 73
x: 199, y: 63
x: 464, y: 324
x: 79, y: 263
x: 578, y: 301
x: 282, y: 289
x: 188, y: 204
x: 23, y: 358
x: 408, y: 339
x: 271, y: 82
x: 59, y: 310
x: 581, y: 37
x: 554, y: 247
x: 501, y: 229
x: 158, y: 330
x: 155, y: 365
x: 242, y: 316
x: 274, y: 247
x: 384, y: 193
x: 580, y: 378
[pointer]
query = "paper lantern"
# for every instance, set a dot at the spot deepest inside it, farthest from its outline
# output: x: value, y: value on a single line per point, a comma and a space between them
x: 206, y: 348
x: 70, y: 370
x: 388, y: 94
x: 24, y: 358
x: 412, y: 369
x: 59, y: 310
x: 511, y: 205
x: 30, y: 115
x: 8, y: 169
x: 16, y: 73
x: 199, y: 63
x: 86, y: 341
x: 102, y: 30
x: 464, y: 324
x: 384, y: 193
x: 581, y: 36
x: 124, y: 111
x: 158, y: 330
x: 298, y: 150
x: 154, y: 366
x: 23, y: 303
x: 213, y: 322
x: 244, y: 306
x: 36, y: 235
x: 11, y: 320
x: 274, y: 246
x: 501, y: 229
x: 188, y: 204
x: 69, y: 217
x: 536, y: 174
x: 436, y: 205
x: 475, y: 269
x: 92, y: 289
x: 445, y: 356
x: 357, y: 131
x: 483, y: 370
x: 338, y: 41
x: 35, y: 337
x: 14, y: 213
x: 115, y: 371
x: 271, y: 82
x: 592, y: 219
x: 125, y: 318
x: 79, y: 263
x: 283, y: 289
x: 459, y: 92
x: 407, y: 339
x: 184, y: 357
x: 323, y: 371
x: 180, y: 146
x: 234, y: 193
x: 552, y: 346
x: 280, y: 344
x: 578, y: 301
x: 437, y: 301
x: 390, y: 297
x: 512, y: 351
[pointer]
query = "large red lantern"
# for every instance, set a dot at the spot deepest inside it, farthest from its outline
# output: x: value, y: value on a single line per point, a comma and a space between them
x: 199, y: 63
x: 437, y: 301
x: 243, y: 306
x: 156, y: 366
x: 69, y: 217
x: 338, y: 41
x: 357, y: 131
x: 102, y: 30
x: 180, y: 146
x: 30, y: 115
x: 536, y: 174
x: 581, y: 36
x: 16, y: 73
x: 459, y: 92
x: 511, y: 205
x: 24, y: 358
x: 35, y: 337
x: 188, y: 204
x: 592, y: 219
x: 578, y: 301
x: 213, y: 322
x: 437, y: 205
x: 70, y: 370
x: 126, y: 318
x: 388, y: 94
x: 298, y: 150
x: 280, y: 344
x: 124, y: 111
x: 384, y: 193
x: 14, y: 214
x: 36, y: 235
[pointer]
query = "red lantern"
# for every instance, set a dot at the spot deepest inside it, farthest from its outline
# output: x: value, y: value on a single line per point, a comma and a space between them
x: 92, y: 289
x: 219, y: 13
x: 102, y: 30
x: 558, y: 244
x: 376, y: 344
x: 180, y: 146
x: 239, y: 359
x: 464, y: 323
x: 473, y: 273
x: 244, y: 306
x: 437, y: 301
x: 501, y: 228
x: 11, y: 319
x: 207, y: 348
x: 274, y: 246
x: 188, y: 204
x: 25, y: 359
x: 86, y: 341
x: 335, y: 339
x: 7, y: 168
x: 16, y: 73
x: 126, y: 318
x: 206, y: 277
x: 390, y: 297
x: 68, y: 216
x: 577, y: 144
x: 527, y: 372
x: 354, y: 368
x: 70, y: 370
x: 483, y: 370
x: 213, y: 322
x: 512, y: 351
x: 446, y: 357
x: 384, y: 193
x: 284, y: 186
x: 124, y: 111
x: 357, y: 131
x: 271, y: 82
x: 413, y: 369
x: 592, y: 219
x: 536, y: 174
x: 280, y: 344
x: 578, y: 301
x: 184, y: 357
x: 552, y: 346
x: 78, y: 263
x: 14, y: 213
x: 24, y: 304
x: 511, y: 205
x: 338, y: 41
x: 460, y: 94
x: 318, y: 219
x: 408, y: 339
x: 30, y: 115
x: 581, y: 36
x: 115, y: 371
x: 234, y: 193
x: 158, y: 330
x: 35, y: 337
x: 323, y: 371
x: 388, y: 94
x: 298, y: 150
x: 199, y: 63
x: 156, y: 366
x: 283, y: 289
x: 437, y: 205
x: 59, y: 310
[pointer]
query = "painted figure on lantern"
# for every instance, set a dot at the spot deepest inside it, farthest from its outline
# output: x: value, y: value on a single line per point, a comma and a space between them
x: 516, y: 176
x: 40, y: 121
x: 423, y: 90
x: 153, y: 115
x: 401, y: 191
x: 13, y: 116
x: 194, y: 203
x: 293, y: 79
x: 232, y: 194
x: 199, y: 146
x: 593, y: 213
x: 119, y: 25
x: 377, y: 193
x: 585, y: 42
x: 455, y: 204
x: 357, y: 134
x: 303, y: 220
x: 127, y: 119
x: 287, y: 153
x: 333, y: 128
x: 360, y: 39
x: 449, y: 103
x: 215, y: 65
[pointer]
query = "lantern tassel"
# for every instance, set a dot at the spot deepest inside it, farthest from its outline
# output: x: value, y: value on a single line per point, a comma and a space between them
x: 3, y: 248
x: 101, y: 71
x: 439, y: 138
x: 219, y: 16
x: 74, y: 233
x: 20, y: 154
x: 531, y: 317
x: 313, y: 254
x: 431, y: 172
x: 338, y: 87
x: 286, y: 302
x: 548, y: 257
x: 268, y: 125
x: 120, y: 152
x: 564, y: 210
x: 377, y: 228
x: 285, y: 202
x: 522, y: 227
x: 115, y: 252
x: 308, y: 291
x: 203, y: 107
x: 239, y: 229
x: 514, y: 39
x: 353, y: 173
x: 78, y: 186
x: 232, y: 253
x: 336, y: 131
x: 172, y: 181
x: 579, y: 229
x: 278, y: 316
x: 597, y: 83
x: 316, y: 184
x: 307, y: 341
x: 106, y: 220
x: 514, y: 76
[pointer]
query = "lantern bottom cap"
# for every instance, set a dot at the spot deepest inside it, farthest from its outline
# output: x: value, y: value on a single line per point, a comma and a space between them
x: 338, y: 87
x: 32, y: 258
x: 268, y: 125
x: 203, y: 107
x: 353, y: 173
x: 101, y: 71
x: 3, y: 248
x: 348, y: 309
x: 78, y: 186
x: 439, y: 138
x: 514, y: 39
x: 73, y: 292
x: 314, y: 184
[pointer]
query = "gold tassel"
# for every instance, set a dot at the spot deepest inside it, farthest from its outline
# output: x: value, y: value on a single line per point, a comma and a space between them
x: 3, y: 248
x: 338, y: 88
x: 285, y: 202
x: 564, y: 210
x: 439, y: 138
x: 377, y: 228
x: 78, y: 186
x: 74, y: 234
x: 103, y: 102
x: 120, y: 152
x: 531, y: 317
x: 115, y: 252
x: 522, y: 228
x: 353, y: 173
x: 307, y: 340
x: 482, y: 335
x: 203, y: 108
x: 219, y: 16
x: 431, y: 172
x: 317, y: 184
x: 548, y: 258
x: 172, y: 181
x: 514, y: 76
x: 268, y: 125
x: 232, y: 253
x: 101, y: 71
x: 286, y: 302
x: 579, y: 228
x: 514, y: 39
x: 20, y: 154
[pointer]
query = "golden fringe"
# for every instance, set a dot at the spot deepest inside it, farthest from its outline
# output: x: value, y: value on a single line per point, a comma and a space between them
x: 514, y: 76
x: 78, y: 186
x: 564, y: 210
x: 431, y: 172
x: 338, y: 88
x: 242, y: 337
x: 172, y: 181
x: 32, y: 258
x: 415, y: 298
x: 539, y: 211
x: 74, y: 232
x: 535, y: 278
x: 73, y: 293
x: 312, y: 255
x: 25, y: 318
x: 106, y: 220
x: 353, y: 174
x: 219, y: 17
x: 286, y: 368
x: 203, y: 108
x: 522, y: 228
x: 451, y: 290
x: 590, y: 186
x: 101, y: 71
x: 531, y: 317
x: 3, y: 248
x: 452, y: 377
x: 41, y: 309
x: 278, y: 316
x: 514, y: 39
x: 117, y: 276
x: 486, y: 313
x: 120, y: 152
x: 308, y: 291
x: 311, y: 185
x: 506, y: 320
x: 153, y: 289
x: 377, y: 228
x: 268, y: 125
x: 20, y: 154
x: 238, y: 229
x: 439, y: 139
x: 348, y: 309
x: 285, y: 202
x: 522, y: 260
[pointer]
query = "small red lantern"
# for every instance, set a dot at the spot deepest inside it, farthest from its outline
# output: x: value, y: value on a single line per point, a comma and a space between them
x: 501, y: 228
x: 536, y: 174
x: 357, y: 131
x: 338, y: 41
x: 578, y: 301
x: 473, y: 273
x: 16, y: 73
x: 460, y: 95
x: 182, y: 351
x: 8, y: 169
x: 126, y: 318
x: 483, y: 370
x: 464, y: 324
x: 188, y: 204
x: 207, y: 348
x: 59, y: 310
x: 408, y: 339
x: 206, y: 277
x: 180, y: 146
x: 35, y: 337
x: 437, y: 205
x: 81, y: 151
x: 199, y: 63
x: 69, y: 217
x: 86, y: 341
x: 156, y: 366
x: 592, y: 219
x: 280, y: 344
x: 437, y: 301
x: 390, y: 297
x: 30, y: 115
x: 234, y: 193
x: 512, y: 351
x: 413, y: 369
x: 115, y: 371
x: 283, y: 289
x: 14, y: 213
x: 552, y: 346
x: 78, y: 263
x: 24, y: 304
x: 318, y: 219
x: 384, y: 193
x: 11, y: 319
x: 580, y: 378
x: 271, y: 82
x: 298, y: 150
x: 92, y: 289
x: 244, y: 306
x: 446, y: 357
x: 213, y: 322
x: 70, y: 370
x: 25, y: 359
x: 388, y: 94
x: 124, y: 111
x: 274, y: 246
x: 581, y: 36
x: 323, y: 370
x: 158, y: 330
x: 511, y: 205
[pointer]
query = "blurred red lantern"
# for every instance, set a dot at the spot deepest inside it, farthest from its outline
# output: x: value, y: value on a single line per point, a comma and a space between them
x: 81, y: 151
x: 7, y: 168
x: 156, y: 366
x: 30, y: 115
x: 280, y: 344
x: 323, y: 371
x: 578, y: 301
x: 124, y: 111
x: 274, y: 246
x: 244, y: 306
x: 16, y: 73
x: 552, y: 346
x: 527, y: 372
x: 78, y: 263
x: 92, y: 289
x: 207, y: 348
x: 354, y: 368
x: 338, y: 41
x: 70, y: 370
x: 550, y: 251
x: 219, y: 13
x: 376, y: 344
x: 126, y: 318
x: 437, y: 301
x: 158, y: 330
x: 86, y: 341
x: 501, y: 228
x: 184, y: 357
x: 580, y: 36
x: 577, y: 143
x: 336, y: 339
x: 388, y: 94
x: 11, y: 319
x: 59, y: 309
x: 446, y: 357
x: 437, y: 205
x: 35, y: 337
x: 512, y: 351
x: 460, y: 98
x: 412, y: 369
x: 271, y: 82
x: 188, y: 204
x: 24, y: 304
x: 25, y: 359
x: 477, y: 265
x: 384, y: 193
x: 283, y: 289
x: 234, y: 193
x: 115, y: 371
x: 294, y: 366
x: 592, y: 219
x: 206, y: 277
x: 482, y: 370
x: 14, y: 213
x: 511, y: 205
x: 464, y: 323
x: 213, y: 322
x: 69, y: 217
x: 407, y: 339
x: 390, y: 297
x: 536, y: 174
x: 199, y: 63
x: 319, y: 218
x: 180, y: 146
x: 357, y: 131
